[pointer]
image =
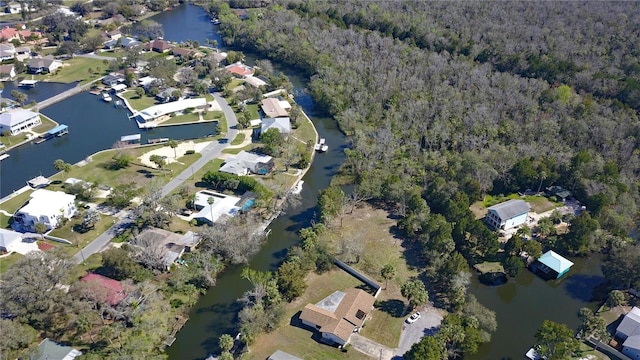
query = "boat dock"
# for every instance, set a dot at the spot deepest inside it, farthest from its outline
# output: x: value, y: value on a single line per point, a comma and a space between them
x: 157, y: 141
x: 321, y: 146
x: 55, y: 132
x: 3, y: 156
x: 177, y: 325
x: 27, y: 83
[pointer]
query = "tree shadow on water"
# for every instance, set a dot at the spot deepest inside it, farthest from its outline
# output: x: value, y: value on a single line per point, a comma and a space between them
x: 581, y: 286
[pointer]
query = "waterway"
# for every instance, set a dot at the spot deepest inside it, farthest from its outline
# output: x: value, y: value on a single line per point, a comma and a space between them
x: 520, y: 305
x: 42, y: 90
x: 93, y: 126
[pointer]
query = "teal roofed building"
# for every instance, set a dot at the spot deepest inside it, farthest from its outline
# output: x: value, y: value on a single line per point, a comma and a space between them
x: 551, y: 265
x: 50, y: 350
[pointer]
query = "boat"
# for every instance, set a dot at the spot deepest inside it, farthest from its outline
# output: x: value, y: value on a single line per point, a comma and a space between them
x: 297, y: 188
x: 3, y: 156
x: 215, y: 21
x: 106, y: 97
x: 321, y: 146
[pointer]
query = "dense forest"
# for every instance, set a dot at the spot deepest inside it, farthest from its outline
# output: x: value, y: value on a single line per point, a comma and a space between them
x: 446, y: 102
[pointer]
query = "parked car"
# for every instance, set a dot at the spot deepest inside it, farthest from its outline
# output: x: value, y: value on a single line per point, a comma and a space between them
x: 413, y: 318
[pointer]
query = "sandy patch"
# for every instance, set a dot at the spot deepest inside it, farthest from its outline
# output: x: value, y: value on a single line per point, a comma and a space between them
x: 214, y: 106
x: 168, y: 153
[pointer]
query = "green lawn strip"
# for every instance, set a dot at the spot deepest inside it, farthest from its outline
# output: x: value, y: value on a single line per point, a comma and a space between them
x: 185, y: 118
x: 213, y: 115
x: 239, y: 139
x: 305, y: 131
x: 489, y: 267
x: 112, y: 53
x: 234, y: 83
x: 7, y: 261
x: 47, y: 124
x: 9, y: 141
x: 16, y: 202
x: 76, y: 69
x: 296, y: 340
x: 246, y: 148
x: 253, y: 111
x: 4, y: 221
x: 137, y: 102
x: 91, y: 263
x: 540, y: 204
x: 586, y: 351
x: 79, y: 240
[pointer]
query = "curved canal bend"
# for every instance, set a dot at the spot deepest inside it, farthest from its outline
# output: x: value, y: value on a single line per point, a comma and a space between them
x: 520, y: 305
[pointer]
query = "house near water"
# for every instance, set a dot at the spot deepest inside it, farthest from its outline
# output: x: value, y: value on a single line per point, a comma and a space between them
x: 551, y: 265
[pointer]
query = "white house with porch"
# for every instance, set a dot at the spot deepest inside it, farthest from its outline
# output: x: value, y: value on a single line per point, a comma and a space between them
x: 47, y: 207
x: 508, y: 214
x: 18, y: 120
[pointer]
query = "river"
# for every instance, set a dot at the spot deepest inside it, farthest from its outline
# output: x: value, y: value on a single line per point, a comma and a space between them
x: 520, y: 305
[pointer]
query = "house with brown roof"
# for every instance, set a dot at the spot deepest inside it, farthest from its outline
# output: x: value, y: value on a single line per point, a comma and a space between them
x: 272, y: 108
x: 339, y: 315
x: 169, y: 245
x: 8, y: 33
x: 46, y: 64
x: 158, y: 45
x: 7, y: 72
x: 185, y: 53
x: 239, y: 69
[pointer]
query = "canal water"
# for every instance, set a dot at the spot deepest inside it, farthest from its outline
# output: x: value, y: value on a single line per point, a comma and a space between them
x: 94, y: 125
x: 42, y: 90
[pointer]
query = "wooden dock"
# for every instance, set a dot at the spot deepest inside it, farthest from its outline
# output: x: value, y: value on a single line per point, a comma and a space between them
x: 177, y: 325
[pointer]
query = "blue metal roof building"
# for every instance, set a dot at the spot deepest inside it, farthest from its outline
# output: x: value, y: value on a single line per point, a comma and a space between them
x: 551, y: 261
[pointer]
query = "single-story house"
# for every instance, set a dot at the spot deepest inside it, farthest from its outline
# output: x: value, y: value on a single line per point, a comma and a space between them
x: 508, y: 214
x: 158, y: 45
x: 18, y: 120
x: 50, y: 350
x: 46, y: 64
x: 182, y: 52
x: 146, y: 81
x: 272, y: 108
x: 282, y: 124
x: 162, y: 111
x: 113, y: 79
x: 46, y: 207
x: 629, y: 332
x: 171, y: 245
x: 23, y: 53
x: 7, y: 52
x: 245, y: 162
x: 167, y: 95
x: 339, y: 315
x: 118, y: 87
x: 254, y: 81
x: 7, y: 72
x: 281, y: 355
x: 9, y: 240
x: 27, y: 35
x: 8, y: 33
x: 218, y: 57
x: 239, y: 69
x: 114, y: 34
x: 114, y: 290
x: 128, y: 42
x: 222, y: 205
x: 551, y: 265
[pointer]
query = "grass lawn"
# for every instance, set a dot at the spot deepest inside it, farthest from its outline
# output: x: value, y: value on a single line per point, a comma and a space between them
x: 238, y: 140
x: 234, y: 83
x: 80, y: 240
x: 296, y: 340
x: 213, y: 115
x: 373, y: 228
x: 186, y: 118
x: 488, y: 267
x: 91, y: 263
x: 253, y: 111
x: 16, y: 202
x: 7, y: 261
x: 586, y: 352
x: 237, y: 150
x: 4, y: 221
x: 305, y: 131
x: 137, y: 102
x: 47, y: 124
x: 76, y: 69
x: 540, y: 204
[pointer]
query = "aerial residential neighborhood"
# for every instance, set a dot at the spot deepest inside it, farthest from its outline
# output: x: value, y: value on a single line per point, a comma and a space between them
x: 227, y: 179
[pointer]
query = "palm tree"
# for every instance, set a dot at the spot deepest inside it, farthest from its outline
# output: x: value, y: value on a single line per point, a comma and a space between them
x: 210, y: 201
x: 388, y: 272
x: 173, y: 144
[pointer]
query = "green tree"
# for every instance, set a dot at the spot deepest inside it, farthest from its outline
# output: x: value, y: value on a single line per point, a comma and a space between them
x: 225, y: 342
x: 592, y: 325
x: 15, y: 338
x: 387, y: 272
x: 533, y: 248
x: 331, y: 202
x: 173, y: 144
x: 555, y: 341
x: 427, y: 349
x: 415, y: 292
x: 513, y: 265
x: 20, y: 97
x: 158, y: 160
x: 273, y: 141
x: 140, y: 91
x: 581, y: 228
x: 615, y: 298
x: 513, y: 246
x: 291, y: 280
x: 60, y: 165
x: 40, y: 229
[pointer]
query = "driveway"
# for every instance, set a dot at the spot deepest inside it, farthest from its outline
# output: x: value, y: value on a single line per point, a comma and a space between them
x: 428, y: 324
x: 370, y: 347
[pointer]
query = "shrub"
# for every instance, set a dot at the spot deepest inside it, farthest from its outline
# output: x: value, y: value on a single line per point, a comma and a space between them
x: 189, y: 152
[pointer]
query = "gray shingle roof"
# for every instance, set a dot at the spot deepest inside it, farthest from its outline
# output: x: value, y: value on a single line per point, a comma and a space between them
x: 510, y: 209
x: 630, y: 324
x: 632, y: 342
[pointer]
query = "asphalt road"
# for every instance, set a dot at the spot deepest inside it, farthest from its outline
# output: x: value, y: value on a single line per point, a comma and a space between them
x: 428, y: 324
x: 209, y: 153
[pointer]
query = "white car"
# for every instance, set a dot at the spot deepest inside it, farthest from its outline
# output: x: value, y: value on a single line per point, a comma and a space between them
x: 413, y: 318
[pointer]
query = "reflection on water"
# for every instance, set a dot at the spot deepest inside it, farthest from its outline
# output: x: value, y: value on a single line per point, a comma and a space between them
x: 42, y: 90
x: 507, y: 292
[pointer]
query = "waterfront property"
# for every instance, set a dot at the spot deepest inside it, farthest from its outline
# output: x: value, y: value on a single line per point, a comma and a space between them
x: 9, y: 240
x: 7, y: 72
x: 18, y: 120
x: 273, y: 108
x: 155, y: 114
x: 46, y: 64
x: 51, y: 350
x: 131, y: 139
x: 57, y: 131
x: 282, y: 124
x: 212, y: 206
x: 239, y: 69
x: 629, y: 333
x: 508, y: 214
x: 47, y: 207
x: 245, y: 162
x: 339, y: 315
x: 113, y: 79
x: 170, y: 245
x: 551, y: 265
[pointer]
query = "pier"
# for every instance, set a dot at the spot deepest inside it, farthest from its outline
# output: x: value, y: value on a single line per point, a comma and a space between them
x: 27, y: 83
x: 55, y: 132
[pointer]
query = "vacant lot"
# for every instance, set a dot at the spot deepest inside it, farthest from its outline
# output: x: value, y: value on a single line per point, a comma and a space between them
x: 296, y: 340
x: 78, y: 69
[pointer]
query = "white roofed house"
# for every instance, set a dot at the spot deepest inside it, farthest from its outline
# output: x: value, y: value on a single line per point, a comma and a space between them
x: 47, y: 207
x: 46, y: 64
x: 7, y: 52
x: 508, y: 214
x: 18, y: 120
x: 221, y: 205
x: 245, y: 162
x: 9, y: 240
x: 629, y: 332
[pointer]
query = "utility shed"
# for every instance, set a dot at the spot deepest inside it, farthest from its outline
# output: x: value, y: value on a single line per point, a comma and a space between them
x: 553, y: 265
x: 508, y: 214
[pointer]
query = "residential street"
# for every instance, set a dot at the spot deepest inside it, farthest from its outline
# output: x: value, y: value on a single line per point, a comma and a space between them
x: 211, y: 152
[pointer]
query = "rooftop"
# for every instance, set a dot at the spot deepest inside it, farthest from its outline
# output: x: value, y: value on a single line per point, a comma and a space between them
x: 16, y: 116
x: 50, y: 350
x: 511, y: 208
x: 556, y: 262
x: 155, y: 111
x: 222, y: 205
x: 630, y: 324
x: 283, y: 124
x: 44, y: 201
x: 272, y: 108
x: 114, y: 290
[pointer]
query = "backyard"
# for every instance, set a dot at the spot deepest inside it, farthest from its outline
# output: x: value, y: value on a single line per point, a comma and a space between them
x: 78, y: 69
x: 138, y: 102
x: 70, y: 232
